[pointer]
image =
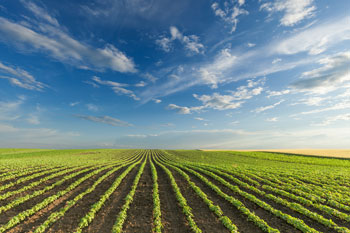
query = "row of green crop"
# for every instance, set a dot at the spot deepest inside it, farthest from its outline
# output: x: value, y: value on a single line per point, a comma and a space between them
x: 331, y: 197
x: 60, y: 213
x: 157, y: 220
x: 301, y: 195
x: 214, y: 208
x: 186, y: 209
x: 36, y: 183
x: 236, y: 203
x: 293, y: 206
x: 47, y: 201
x: 87, y: 219
x: 20, y: 173
x: 297, y: 223
x: 118, y: 225
x: 28, y: 178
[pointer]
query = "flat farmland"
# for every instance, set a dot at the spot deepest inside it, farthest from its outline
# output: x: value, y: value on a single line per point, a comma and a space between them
x: 171, y: 191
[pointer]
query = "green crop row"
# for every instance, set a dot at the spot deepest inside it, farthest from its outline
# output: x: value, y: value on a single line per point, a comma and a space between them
x: 186, y: 209
x: 118, y: 225
x: 47, y: 201
x: 293, y: 206
x: 157, y: 220
x: 214, y: 208
x: 87, y: 219
x: 60, y: 213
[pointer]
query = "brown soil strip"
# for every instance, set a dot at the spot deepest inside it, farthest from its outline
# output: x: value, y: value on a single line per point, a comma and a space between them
x: 269, y: 218
x: 140, y: 214
x: 39, y: 217
x: 106, y: 217
x: 173, y: 220
x: 6, y: 216
x: 203, y: 216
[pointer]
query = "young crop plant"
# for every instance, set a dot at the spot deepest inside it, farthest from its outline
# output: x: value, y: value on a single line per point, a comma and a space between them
x: 157, y: 220
x: 87, y: 219
x: 118, y: 225
x: 182, y: 201
x: 24, y: 214
x: 58, y: 214
x: 214, y: 208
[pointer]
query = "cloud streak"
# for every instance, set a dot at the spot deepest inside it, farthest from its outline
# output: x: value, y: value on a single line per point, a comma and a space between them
x: 48, y: 37
x: 20, y: 78
x: 105, y: 120
x: 191, y: 42
x: 118, y: 88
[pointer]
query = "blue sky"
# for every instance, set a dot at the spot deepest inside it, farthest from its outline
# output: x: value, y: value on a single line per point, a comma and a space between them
x: 175, y: 74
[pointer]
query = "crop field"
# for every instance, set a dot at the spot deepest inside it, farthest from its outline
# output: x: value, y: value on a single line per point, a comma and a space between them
x: 171, y: 191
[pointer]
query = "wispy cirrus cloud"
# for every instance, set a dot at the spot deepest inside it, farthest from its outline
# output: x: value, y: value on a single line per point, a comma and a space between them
x: 230, y: 12
x: 20, y: 77
x: 48, y: 37
x: 334, y: 72
x: 9, y: 109
x: 224, y: 102
x: 105, y: 120
x: 294, y: 11
x: 40, y: 12
x: 118, y: 88
x: 315, y: 39
x: 191, y: 42
x: 264, y: 108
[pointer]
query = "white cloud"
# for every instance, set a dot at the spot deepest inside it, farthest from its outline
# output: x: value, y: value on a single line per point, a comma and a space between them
x: 140, y: 84
x: 251, y: 45
x: 313, y: 101
x: 118, y: 88
x: 316, y: 39
x: 212, y: 73
x: 157, y: 101
x: 20, y: 77
x: 276, y: 60
x: 9, y: 109
x: 224, y: 102
x: 277, y: 93
x: 39, y: 12
x: 190, y: 42
x: 272, y: 119
x: 164, y: 43
x: 338, y: 106
x: 180, y: 109
x: 264, y: 108
x: 294, y: 11
x: 330, y: 120
x: 33, y: 119
x: 219, y: 102
x: 150, y: 77
x: 334, y: 72
x: 57, y: 43
x: 105, y: 120
x: 230, y: 12
x: 72, y: 104
x: 92, y: 107
x: 200, y: 119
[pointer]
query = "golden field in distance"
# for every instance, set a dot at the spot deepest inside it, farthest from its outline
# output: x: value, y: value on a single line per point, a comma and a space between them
x: 337, y: 153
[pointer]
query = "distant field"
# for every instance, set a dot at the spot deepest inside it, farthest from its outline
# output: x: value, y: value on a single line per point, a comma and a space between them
x: 178, y: 191
x: 318, y: 152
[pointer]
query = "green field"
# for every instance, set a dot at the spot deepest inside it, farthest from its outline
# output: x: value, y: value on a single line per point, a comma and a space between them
x: 137, y: 190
